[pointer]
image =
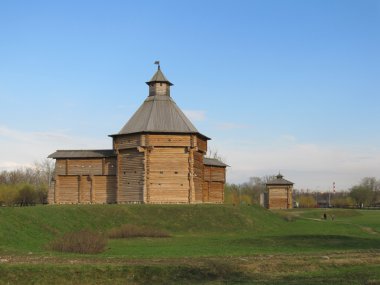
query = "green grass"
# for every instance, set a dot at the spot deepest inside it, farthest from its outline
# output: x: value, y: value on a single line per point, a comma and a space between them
x: 225, y: 234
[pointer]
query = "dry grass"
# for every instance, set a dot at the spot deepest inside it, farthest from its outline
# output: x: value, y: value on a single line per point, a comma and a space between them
x: 84, y: 241
x: 131, y: 231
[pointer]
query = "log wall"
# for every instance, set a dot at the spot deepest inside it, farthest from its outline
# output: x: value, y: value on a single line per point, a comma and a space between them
x: 109, y: 166
x: 213, y: 184
x: 86, y: 166
x: 168, y: 175
x: 168, y: 140
x: 66, y: 189
x: 202, y: 144
x: 83, y: 189
x: 104, y: 189
x: 127, y: 141
x: 198, y: 176
x: 130, y: 176
x: 150, y: 168
x: 280, y: 197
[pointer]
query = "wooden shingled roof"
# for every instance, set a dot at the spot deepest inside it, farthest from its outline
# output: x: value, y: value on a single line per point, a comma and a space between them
x: 87, y: 153
x: 159, y: 77
x: 279, y: 180
x: 213, y: 162
x: 159, y: 114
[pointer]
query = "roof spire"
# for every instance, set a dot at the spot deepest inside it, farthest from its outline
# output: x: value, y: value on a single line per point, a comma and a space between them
x: 159, y: 77
x: 158, y: 64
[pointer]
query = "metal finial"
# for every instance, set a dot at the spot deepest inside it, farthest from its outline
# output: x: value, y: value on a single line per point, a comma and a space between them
x: 158, y: 63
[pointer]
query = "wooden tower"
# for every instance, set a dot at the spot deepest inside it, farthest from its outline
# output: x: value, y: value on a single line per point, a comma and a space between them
x: 159, y: 151
x: 279, y: 193
x: 157, y: 157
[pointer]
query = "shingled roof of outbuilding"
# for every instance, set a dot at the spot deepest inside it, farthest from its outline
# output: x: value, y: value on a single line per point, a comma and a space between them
x: 279, y: 180
x: 93, y: 153
x: 213, y: 162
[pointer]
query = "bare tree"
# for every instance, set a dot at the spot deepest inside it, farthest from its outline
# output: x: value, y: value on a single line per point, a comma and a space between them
x: 211, y: 153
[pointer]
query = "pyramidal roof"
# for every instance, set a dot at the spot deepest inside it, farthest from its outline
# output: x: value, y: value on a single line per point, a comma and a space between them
x: 159, y: 114
x: 279, y: 180
x: 159, y: 77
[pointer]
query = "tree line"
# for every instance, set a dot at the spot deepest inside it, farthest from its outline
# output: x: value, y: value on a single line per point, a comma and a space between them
x: 246, y: 193
x: 365, y: 194
x: 26, y: 186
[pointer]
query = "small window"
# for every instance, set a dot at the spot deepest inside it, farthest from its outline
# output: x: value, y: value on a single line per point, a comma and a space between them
x: 161, y: 172
x: 175, y: 172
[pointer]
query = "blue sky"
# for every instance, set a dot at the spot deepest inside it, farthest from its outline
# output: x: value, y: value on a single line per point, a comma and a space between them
x: 278, y: 85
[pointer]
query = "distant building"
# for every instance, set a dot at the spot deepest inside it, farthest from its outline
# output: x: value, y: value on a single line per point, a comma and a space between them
x: 278, y: 194
x: 157, y: 157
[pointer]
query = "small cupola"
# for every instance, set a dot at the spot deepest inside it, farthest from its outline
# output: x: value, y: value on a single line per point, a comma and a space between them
x: 158, y: 84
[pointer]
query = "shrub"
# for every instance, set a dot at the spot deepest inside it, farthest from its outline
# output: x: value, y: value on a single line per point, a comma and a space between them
x: 22, y: 194
x: 130, y: 231
x: 26, y: 196
x: 8, y: 195
x: 84, y: 241
x: 42, y: 194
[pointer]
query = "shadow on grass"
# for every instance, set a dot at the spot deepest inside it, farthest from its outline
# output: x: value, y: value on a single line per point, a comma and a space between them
x: 315, y: 242
x: 348, y: 275
x: 210, y: 272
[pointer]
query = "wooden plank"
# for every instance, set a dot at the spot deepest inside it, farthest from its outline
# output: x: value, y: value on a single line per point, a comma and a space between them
x: 60, y: 167
x: 202, y: 145
x: 280, y: 197
x: 168, y: 175
x: 216, y: 192
x: 131, y: 176
x: 85, y: 189
x: 205, y: 192
x: 191, y: 176
x: 104, y: 188
x: 56, y: 189
x: 84, y: 166
x: 218, y: 174
x: 145, y: 187
x: 168, y: 140
x: 127, y: 141
x: 198, y: 175
x: 110, y: 166
x: 68, y: 189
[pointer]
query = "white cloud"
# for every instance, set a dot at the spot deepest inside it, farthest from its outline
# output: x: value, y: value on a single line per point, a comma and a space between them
x: 195, y: 115
x: 21, y: 148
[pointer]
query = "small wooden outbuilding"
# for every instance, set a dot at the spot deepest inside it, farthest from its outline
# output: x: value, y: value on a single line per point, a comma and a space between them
x: 157, y: 157
x: 279, y: 193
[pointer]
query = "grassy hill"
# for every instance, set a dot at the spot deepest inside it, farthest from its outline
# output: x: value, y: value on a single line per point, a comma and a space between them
x: 30, y: 228
x: 207, y: 242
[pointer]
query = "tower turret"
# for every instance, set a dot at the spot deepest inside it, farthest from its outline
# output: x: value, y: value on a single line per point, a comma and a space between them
x: 158, y: 84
